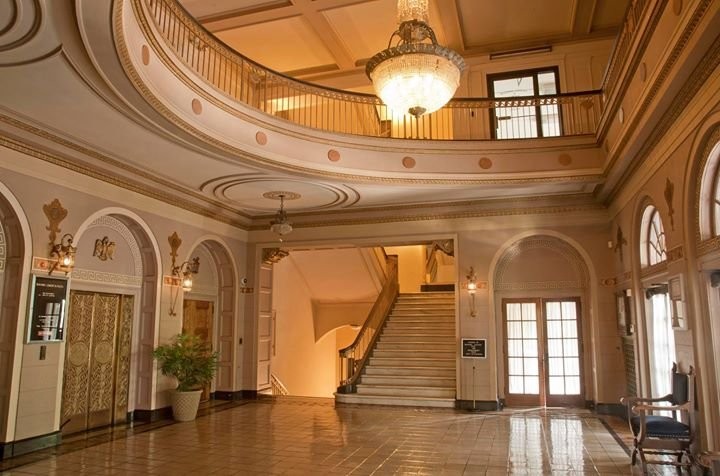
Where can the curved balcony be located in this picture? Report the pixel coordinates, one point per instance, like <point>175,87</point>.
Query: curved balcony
<point>336,111</point>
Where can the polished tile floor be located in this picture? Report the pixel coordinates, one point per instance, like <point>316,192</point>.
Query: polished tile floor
<point>296,436</point>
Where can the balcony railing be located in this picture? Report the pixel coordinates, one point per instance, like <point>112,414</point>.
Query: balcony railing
<point>337,111</point>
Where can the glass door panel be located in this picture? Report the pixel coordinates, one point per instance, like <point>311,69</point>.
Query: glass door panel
<point>523,356</point>
<point>563,353</point>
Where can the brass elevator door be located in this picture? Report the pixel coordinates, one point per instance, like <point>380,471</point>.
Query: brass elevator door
<point>97,361</point>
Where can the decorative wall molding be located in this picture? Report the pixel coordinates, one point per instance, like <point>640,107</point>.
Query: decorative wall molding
<point>93,276</point>
<point>107,221</point>
<point>3,249</point>
<point>532,285</point>
<point>654,269</point>
<point>548,243</point>
<point>708,246</point>
<point>675,254</point>
<point>608,282</point>
<point>707,169</point>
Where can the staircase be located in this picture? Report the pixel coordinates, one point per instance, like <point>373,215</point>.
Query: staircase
<point>413,362</point>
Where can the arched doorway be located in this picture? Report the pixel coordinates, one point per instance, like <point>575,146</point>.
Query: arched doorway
<point>13,247</point>
<point>541,286</point>
<point>209,308</point>
<point>108,368</point>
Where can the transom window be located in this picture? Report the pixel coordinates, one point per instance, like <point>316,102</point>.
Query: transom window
<point>517,120</point>
<point>653,249</point>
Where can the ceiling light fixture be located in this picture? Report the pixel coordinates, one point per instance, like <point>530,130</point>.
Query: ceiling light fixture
<point>280,225</point>
<point>415,76</point>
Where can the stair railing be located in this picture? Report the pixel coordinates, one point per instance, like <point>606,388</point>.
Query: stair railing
<point>277,386</point>
<point>354,357</point>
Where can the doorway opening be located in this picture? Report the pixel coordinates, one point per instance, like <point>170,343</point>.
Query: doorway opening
<point>543,349</point>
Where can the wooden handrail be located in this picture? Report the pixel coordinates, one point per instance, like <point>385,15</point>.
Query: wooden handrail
<point>354,357</point>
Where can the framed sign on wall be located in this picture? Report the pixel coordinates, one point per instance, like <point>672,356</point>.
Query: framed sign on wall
<point>48,298</point>
<point>474,348</point>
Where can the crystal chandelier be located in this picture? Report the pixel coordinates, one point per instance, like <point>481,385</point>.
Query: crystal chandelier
<point>415,76</point>
<point>280,225</point>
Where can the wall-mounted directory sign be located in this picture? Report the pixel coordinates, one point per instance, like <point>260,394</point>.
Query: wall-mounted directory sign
<point>474,348</point>
<point>47,309</point>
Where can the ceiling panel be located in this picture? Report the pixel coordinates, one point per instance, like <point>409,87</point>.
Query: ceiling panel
<point>365,28</point>
<point>486,22</point>
<point>212,8</point>
<point>609,14</point>
<point>283,45</point>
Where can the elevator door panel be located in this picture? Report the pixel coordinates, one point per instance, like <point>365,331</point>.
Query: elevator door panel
<point>97,361</point>
<point>198,320</point>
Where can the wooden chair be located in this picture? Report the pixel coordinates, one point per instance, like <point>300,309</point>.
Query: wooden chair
<point>664,435</point>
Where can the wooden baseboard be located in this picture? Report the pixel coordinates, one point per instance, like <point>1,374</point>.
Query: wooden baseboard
<point>28,445</point>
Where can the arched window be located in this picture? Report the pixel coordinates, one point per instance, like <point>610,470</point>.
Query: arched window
<point>652,244</point>
<point>715,198</point>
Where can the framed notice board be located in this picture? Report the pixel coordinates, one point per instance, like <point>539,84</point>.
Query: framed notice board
<point>48,298</point>
<point>474,348</point>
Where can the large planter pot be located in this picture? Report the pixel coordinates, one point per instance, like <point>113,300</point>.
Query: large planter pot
<point>185,404</point>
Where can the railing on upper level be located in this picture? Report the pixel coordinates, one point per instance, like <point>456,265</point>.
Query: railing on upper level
<point>344,112</point>
<point>354,357</point>
<point>276,386</point>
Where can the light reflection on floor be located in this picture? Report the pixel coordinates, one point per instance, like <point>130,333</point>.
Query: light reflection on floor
<point>311,436</point>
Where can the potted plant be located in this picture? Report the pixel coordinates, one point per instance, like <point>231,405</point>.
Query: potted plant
<point>193,364</point>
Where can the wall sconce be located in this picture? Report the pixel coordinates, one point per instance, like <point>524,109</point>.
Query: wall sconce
<point>472,289</point>
<point>63,254</point>
<point>183,275</point>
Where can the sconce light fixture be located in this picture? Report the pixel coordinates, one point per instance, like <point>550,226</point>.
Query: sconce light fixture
<point>184,274</point>
<point>63,254</point>
<point>472,289</point>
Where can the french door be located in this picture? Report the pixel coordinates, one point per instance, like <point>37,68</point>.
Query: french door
<point>543,352</point>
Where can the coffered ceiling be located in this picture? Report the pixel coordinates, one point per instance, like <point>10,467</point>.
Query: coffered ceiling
<point>330,39</point>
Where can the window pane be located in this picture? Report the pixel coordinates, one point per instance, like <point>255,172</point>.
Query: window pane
<point>550,120</point>
<point>529,330</point>
<point>555,348</point>
<point>569,328</point>
<point>572,385</point>
<point>557,385</point>
<point>515,366</point>
<point>515,384</point>
<point>528,311</point>
<point>546,83</point>
<point>513,87</point>
<point>532,385</point>
<point>514,329</point>
<point>531,366</point>
<point>554,329</point>
<point>555,366</point>
<point>514,348</point>
<point>569,310</point>
<point>530,348</point>
<point>552,309</point>
<point>514,312</point>
<point>572,366</point>
<point>570,347</point>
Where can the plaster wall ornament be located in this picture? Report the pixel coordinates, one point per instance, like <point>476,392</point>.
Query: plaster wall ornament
<point>669,193</point>
<point>273,255</point>
<point>175,242</point>
<point>104,248</point>
<point>620,241</point>
<point>55,214</point>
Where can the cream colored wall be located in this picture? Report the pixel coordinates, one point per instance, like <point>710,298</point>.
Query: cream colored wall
<point>305,366</point>
<point>35,184</point>
<point>411,266</point>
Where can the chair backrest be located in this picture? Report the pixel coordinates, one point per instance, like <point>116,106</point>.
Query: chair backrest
<point>683,390</point>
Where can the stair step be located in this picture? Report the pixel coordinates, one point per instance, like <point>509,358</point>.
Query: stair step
<point>432,333</point>
<point>354,398</point>
<point>419,322</point>
<point>409,353</point>
<point>410,380</point>
<point>412,362</point>
<point>405,391</point>
<point>410,371</point>
<point>414,345</point>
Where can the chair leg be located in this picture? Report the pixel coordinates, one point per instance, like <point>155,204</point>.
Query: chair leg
<point>643,461</point>
<point>633,458</point>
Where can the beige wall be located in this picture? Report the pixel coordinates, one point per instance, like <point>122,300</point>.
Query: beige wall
<point>411,266</point>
